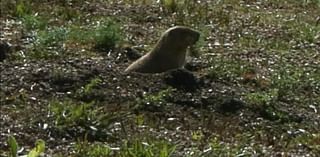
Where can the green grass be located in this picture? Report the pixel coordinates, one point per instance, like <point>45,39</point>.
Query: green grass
<point>133,148</point>
<point>69,117</point>
<point>105,35</point>
<point>153,101</point>
<point>147,148</point>
<point>35,152</point>
<point>84,149</point>
<point>34,22</point>
<point>313,141</point>
<point>280,36</point>
<point>23,8</point>
<point>51,42</point>
<point>228,69</point>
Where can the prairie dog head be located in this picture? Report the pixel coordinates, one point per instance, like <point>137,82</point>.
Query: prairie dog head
<point>180,37</point>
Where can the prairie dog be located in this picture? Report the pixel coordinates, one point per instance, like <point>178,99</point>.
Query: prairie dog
<point>168,53</point>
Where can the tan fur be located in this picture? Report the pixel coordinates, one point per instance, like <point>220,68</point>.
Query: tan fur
<point>169,53</point>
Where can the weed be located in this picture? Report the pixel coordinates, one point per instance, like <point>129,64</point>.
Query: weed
<point>304,32</point>
<point>158,97</point>
<point>38,149</point>
<point>228,69</point>
<point>153,102</point>
<point>170,5</point>
<point>89,92</point>
<point>312,141</point>
<point>140,119</point>
<point>88,88</point>
<point>311,3</point>
<point>69,117</point>
<point>221,149</point>
<point>33,22</point>
<point>93,83</point>
<point>84,149</point>
<point>287,79</point>
<point>49,43</point>
<point>79,34</point>
<point>13,146</point>
<point>35,152</point>
<point>149,148</point>
<point>265,104</point>
<point>53,37</point>
<point>107,35</point>
<point>197,135</point>
<point>68,114</point>
<point>22,8</point>
<point>262,98</point>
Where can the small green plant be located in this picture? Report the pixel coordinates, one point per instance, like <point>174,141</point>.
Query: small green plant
<point>33,22</point>
<point>48,43</point>
<point>312,141</point>
<point>88,92</point>
<point>228,69</point>
<point>13,146</point>
<point>158,97</point>
<point>38,149</point>
<point>220,148</point>
<point>262,98</point>
<point>35,152</point>
<point>153,101</point>
<point>70,116</point>
<point>217,146</point>
<point>140,119</point>
<point>79,34</point>
<point>22,8</point>
<point>53,37</point>
<point>197,135</point>
<point>170,5</point>
<point>138,148</point>
<point>93,83</point>
<point>85,149</point>
<point>313,3</point>
<point>107,35</point>
<point>287,79</point>
<point>265,103</point>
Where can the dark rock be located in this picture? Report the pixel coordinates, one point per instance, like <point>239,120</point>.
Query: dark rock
<point>132,53</point>
<point>231,105</point>
<point>4,50</point>
<point>182,79</point>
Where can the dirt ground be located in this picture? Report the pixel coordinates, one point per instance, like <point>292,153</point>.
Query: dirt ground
<point>200,113</point>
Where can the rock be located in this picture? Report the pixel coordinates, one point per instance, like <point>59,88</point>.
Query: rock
<point>5,48</point>
<point>132,53</point>
<point>231,105</point>
<point>182,79</point>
